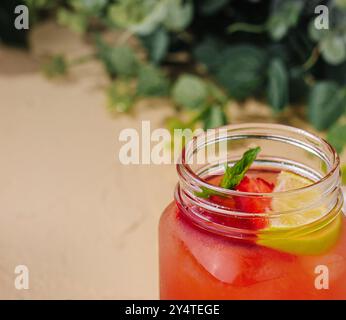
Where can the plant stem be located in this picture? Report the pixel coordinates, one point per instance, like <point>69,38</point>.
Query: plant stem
<point>199,116</point>
<point>313,58</point>
<point>246,27</point>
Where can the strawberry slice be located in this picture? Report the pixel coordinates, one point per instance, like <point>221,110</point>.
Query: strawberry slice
<point>243,204</point>
<point>253,204</point>
<point>224,202</point>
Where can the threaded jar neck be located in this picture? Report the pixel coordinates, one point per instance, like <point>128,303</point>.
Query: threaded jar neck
<point>282,148</point>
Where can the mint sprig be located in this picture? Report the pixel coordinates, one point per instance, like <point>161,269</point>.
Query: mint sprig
<point>206,193</point>
<point>233,175</point>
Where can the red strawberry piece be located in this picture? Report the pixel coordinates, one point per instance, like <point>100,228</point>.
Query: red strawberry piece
<point>227,202</point>
<point>245,204</point>
<point>254,204</point>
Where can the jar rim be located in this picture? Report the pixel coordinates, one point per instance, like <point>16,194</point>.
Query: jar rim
<point>185,171</point>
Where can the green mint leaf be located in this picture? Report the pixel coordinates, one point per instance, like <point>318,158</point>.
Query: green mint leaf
<point>337,136</point>
<point>233,175</point>
<point>206,193</point>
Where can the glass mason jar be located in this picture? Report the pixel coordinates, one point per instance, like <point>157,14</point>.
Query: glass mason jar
<point>210,249</point>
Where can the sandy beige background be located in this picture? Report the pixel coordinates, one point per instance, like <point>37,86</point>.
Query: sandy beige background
<point>85,225</point>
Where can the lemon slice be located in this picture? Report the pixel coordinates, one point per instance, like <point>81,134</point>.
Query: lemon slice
<point>287,181</point>
<point>295,231</point>
<point>315,242</point>
<point>290,181</point>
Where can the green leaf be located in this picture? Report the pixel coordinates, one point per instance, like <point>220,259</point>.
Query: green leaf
<point>336,73</point>
<point>241,72</point>
<point>209,7</point>
<point>341,4</point>
<point>215,117</point>
<point>234,175</point>
<point>174,122</point>
<point>206,193</point>
<point>298,88</point>
<point>278,87</point>
<point>157,45</point>
<point>337,18</point>
<point>333,49</point>
<point>179,14</point>
<point>217,94</point>
<point>337,137</point>
<point>120,96</point>
<point>152,82</point>
<point>316,34</point>
<point>208,53</point>
<point>326,104</point>
<point>189,91</point>
<point>77,22</point>
<point>57,66</point>
<point>88,6</point>
<point>284,17</point>
<point>140,17</point>
<point>38,3</point>
<point>120,61</point>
